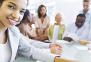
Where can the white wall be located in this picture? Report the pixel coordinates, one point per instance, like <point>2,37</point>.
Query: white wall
<point>68,8</point>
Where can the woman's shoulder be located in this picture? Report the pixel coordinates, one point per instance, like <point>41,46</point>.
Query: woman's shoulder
<point>36,17</point>
<point>47,17</point>
<point>14,29</point>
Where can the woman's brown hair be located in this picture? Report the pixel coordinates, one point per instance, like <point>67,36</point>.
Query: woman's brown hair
<point>39,9</point>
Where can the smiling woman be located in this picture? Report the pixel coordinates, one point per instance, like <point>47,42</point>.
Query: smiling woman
<point>11,40</point>
<point>11,13</point>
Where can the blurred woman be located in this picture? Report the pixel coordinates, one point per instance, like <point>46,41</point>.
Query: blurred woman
<point>11,40</point>
<point>25,25</point>
<point>41,24</point>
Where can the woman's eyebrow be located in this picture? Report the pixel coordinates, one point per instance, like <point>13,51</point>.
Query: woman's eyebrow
<point>12,3</point>
<point>15,5</point>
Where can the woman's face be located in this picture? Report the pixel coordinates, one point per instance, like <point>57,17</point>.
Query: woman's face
<point>43,11</point>
<point>12,11</point>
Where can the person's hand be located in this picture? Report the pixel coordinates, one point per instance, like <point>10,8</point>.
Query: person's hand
<point>39,32</point>
<point>59,59</point>
<point>68,39</point>
<point>56,49</point>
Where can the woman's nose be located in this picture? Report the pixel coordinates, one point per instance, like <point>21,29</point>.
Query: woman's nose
<point>15,15</point>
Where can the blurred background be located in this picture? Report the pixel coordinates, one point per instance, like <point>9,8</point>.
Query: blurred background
<point>68,8</point>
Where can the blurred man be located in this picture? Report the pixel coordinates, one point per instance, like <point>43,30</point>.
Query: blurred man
<point>87,11</point>
<point>78,30</point>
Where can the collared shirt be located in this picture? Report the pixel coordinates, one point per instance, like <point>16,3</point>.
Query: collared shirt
<point>82,32</point>
<point>88,21</point>
<point>88,16</point>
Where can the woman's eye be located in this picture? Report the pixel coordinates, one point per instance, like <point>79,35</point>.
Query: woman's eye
<point>11,7</point>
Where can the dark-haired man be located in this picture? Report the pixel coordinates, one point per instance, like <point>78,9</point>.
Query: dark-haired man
<point>78,30</point>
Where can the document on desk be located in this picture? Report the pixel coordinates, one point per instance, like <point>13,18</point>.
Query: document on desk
<point>83,56</point>
<point>69,52</point>
<point>81,47</point>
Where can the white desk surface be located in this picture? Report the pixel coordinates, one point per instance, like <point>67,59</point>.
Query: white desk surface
<point>75,52</point>
<point>70,51</point>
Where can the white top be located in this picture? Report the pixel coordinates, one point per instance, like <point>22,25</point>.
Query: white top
<point>88,21</point>
<point>88,16</point>
<point>5,52</point>
<point>82,33</point>
<point>42,26</point>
